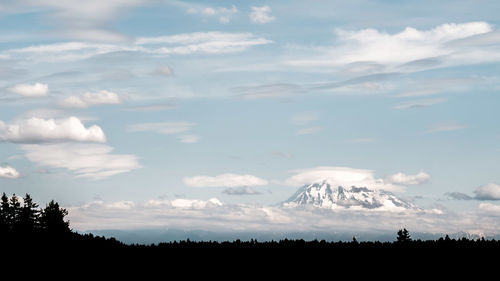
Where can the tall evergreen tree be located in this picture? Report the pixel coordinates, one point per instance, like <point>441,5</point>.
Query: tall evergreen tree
<point>4,214</point>
<point>29,216</point>
<point>14,213</point>
<point>52,219</point>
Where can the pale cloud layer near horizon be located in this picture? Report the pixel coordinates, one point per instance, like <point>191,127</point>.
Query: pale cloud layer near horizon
<point>226,109</point>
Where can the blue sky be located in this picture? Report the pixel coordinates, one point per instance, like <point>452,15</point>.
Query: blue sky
<point>114,104</point>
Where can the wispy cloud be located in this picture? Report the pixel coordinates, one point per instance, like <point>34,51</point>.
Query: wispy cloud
<point>341,176</point>
<point>222,13</point>
<point>91,99</point>
<point>458,196</point>
<point>94,161</point>
<point>203,42</point>
<point>189,138</point>
<point>419,103</point>
<point>305,118</point>
<point>446,127</point>
<point>309,130</point>
<point>224,180</point>
<point>178,44</point>
<point>150,107</point>
<point>268,91</point>
<point>89,20</point>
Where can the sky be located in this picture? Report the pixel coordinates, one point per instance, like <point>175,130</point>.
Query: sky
<point>207,115</point>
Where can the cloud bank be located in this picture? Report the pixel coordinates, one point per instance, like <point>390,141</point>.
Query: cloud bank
<point>212,215</point>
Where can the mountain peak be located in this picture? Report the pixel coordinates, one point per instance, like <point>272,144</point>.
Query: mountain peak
<point>324,195</point>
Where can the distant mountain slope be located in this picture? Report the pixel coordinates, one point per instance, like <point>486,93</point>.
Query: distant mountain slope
<point>324,195</point>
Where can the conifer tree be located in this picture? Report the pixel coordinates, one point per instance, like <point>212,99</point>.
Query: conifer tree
<point>4,214</point>
<point>52,219</point>
<point>29,217</point>
<point>14,213</point>
<point>403,236</point>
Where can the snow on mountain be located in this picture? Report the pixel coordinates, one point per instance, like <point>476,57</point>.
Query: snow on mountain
<point>324,195</point>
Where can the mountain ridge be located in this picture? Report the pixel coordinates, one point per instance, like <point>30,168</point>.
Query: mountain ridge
<point>322,194</point>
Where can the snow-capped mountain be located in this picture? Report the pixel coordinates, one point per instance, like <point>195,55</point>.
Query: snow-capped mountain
<point>324,195</point>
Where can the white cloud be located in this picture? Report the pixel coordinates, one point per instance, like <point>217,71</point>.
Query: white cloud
<point>195,204</point>
<point>490,208</point>
<point>341,176</point>
<point>203,42</point>
<point>8,172</point>
<point>69,51</point>
<point>27,90</point>
<point>446,127</point>
<point>37,130</point>
<point>404,179</point>
<point>409,45</point>
<point>165,128</point>
<point>490,191</point>
<point>260,15</point>
<point>183,203</point>
<point>189,138</point>
<point>223,13</point>
<point>91,99</point>
<point>224,180</point>
<point>121,205</point>
<point>309,130</point>
<point>93,161</point>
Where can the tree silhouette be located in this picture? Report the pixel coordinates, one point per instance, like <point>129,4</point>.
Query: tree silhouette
<point>52,219</point>
<point>14,213</point>
<point>4,214</point>
<point>29,215</point>
<point>403,236</point>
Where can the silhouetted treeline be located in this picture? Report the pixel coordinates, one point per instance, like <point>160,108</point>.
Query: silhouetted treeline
<point>23,222</point>
<point>27,219</point>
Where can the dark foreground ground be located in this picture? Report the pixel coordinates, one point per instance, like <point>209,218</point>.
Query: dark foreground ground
<point>253,253</point>
<point>91,257</point>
